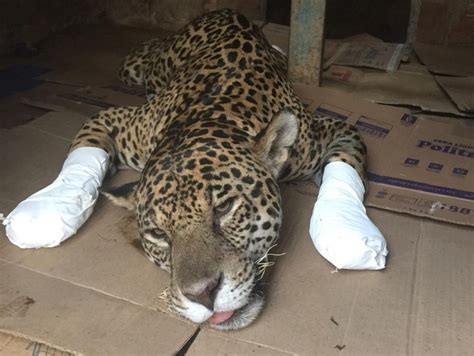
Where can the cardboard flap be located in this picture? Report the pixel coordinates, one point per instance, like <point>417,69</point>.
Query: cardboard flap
<point>411,85</point>
<point>449,59</point>
<point>83,100</point>
<point>460,90</point>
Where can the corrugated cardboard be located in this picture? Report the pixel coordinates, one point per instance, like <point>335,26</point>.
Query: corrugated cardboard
<point>416,165</point>
<point>449,59</point>
<point>211,343</point>
<point>411,85</point>
<point>83,100</point>
<point>83,320</point>
<point>18,346</point>
<point>97,293</point>
<point>460,90</point>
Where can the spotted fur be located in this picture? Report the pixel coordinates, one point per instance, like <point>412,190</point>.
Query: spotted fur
<point>221,127</point>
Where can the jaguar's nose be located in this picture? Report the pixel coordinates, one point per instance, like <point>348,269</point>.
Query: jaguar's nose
<point>204,291</point>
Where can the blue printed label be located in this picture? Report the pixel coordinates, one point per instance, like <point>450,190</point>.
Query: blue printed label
<point>435,166</point>
<point>372,127</point>
<point>413,185</point>
<point>327,110</point>
<point>411,162</point>
<point>460,171</point>
<point>408,119</point>
<point>446,147</point>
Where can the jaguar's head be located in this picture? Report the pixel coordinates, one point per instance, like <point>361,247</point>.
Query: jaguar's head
<point>208,214</point>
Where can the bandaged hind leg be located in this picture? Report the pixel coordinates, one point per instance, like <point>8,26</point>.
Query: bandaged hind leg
<point>53,214</point>
<point>340,228</point>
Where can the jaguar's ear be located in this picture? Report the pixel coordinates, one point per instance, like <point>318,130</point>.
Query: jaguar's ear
<point>123,195</point>
<point>274,143</point>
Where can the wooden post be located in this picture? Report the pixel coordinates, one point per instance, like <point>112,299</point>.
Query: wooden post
<point>306,41</point>
<point>413,23</point>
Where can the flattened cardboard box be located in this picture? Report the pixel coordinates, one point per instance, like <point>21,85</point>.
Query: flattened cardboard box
<point>83,100</point>
<point>450,59</point>
<point>411,85</point>
<point>96,293</point>
<point>460,90</point>
<point>418,166</point>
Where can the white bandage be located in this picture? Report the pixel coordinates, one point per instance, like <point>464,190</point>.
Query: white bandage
<point>340,228</point>
<point>53,214</point>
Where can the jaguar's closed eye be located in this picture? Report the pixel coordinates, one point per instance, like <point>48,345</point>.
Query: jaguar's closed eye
<point>156,235</point>
<point>224,207</point>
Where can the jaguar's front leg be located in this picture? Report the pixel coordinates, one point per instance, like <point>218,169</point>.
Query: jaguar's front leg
<point>53,214</point>
<point>334,152</point>
<point>340,228</point>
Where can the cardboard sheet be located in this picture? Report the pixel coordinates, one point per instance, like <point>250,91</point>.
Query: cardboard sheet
<point>97,293</point>
<point>14,113</point>
<point>450,59</point>
<point>82,320</point>
<point>460,90</point>
<point>411,85</point>
<point>83,100</point>
<point>416,165</point>
<point>212,343</point>
<point>19,346</point>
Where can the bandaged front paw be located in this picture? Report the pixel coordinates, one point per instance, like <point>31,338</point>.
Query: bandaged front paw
<point>340,228</point>
<point>53,214</point>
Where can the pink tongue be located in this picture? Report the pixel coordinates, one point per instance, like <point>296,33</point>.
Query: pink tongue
<point>220,317</point>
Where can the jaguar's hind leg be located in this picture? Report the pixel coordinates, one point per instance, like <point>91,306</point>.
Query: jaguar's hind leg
<point>135,66</point>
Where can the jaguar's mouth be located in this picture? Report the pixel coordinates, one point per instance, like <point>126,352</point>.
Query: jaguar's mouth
<point>220,317</point>
<point>239,318</point>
